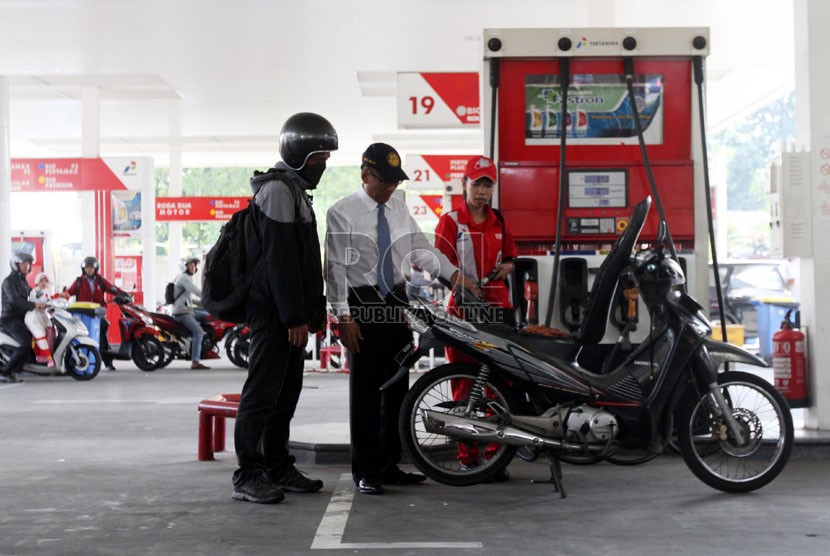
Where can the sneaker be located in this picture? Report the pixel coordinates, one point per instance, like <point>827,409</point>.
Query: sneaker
<point>292,479</point>
<point>10,378</point>
<point>258,490</point>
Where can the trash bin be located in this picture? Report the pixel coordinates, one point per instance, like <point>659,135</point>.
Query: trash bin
<point>735,334</point>
<point>770,314</point>
<point>91,315</point>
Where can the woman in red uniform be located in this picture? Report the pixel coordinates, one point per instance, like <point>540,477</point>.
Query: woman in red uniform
<point>477,240</point>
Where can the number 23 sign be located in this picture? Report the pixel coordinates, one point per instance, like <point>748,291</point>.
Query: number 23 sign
<point>438,100</point>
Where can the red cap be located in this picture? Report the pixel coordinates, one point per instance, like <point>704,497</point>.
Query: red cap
<point>481,167</point>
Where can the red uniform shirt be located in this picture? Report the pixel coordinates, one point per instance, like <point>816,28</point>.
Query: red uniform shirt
<point>477,248</point>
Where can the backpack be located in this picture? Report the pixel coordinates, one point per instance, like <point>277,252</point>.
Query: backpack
<point>226,278</point>
<point>169,293</point>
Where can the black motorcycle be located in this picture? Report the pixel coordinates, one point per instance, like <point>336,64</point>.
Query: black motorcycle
<point>548,395</point>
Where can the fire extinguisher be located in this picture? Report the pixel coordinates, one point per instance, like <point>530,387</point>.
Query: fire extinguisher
<point>789,361</point>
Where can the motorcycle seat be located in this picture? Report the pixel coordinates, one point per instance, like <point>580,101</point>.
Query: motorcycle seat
<point>558,348</point>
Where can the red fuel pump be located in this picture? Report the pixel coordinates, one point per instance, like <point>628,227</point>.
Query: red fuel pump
<point>789,361</point>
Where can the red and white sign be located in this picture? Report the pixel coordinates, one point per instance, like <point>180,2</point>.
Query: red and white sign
<point>434,172</point>
<point>69,174</point>
<point>438,100</point>
<point>425,208</point>
<point>195,209</point>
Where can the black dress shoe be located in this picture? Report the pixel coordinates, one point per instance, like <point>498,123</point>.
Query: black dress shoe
<point>370,485</point>
<point>400,477</point>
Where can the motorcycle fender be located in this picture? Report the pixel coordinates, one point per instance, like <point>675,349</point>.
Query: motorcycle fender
<point>146,331</point>
<point>410,355</point>
<point>85,340</point>
<point>722,352</point>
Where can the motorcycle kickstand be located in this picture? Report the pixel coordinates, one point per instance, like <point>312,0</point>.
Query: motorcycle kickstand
<point>555,476</point>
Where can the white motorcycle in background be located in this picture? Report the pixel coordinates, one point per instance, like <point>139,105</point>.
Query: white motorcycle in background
<point>74,352</point>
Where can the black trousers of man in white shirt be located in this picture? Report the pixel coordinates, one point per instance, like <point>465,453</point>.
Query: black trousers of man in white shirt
<point>375,437</point>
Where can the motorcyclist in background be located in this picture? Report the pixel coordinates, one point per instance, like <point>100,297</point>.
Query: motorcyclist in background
<point>182,309</point>
<point>91,287</point>
<point>15,295</point>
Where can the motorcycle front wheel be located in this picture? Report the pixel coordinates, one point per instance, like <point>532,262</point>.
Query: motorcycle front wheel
<point>715,455</point>
<point>148,353</point>
<point>82,361</point>
<point>442,458</point>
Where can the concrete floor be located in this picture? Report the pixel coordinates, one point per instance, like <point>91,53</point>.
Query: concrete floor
<point>109,467</point>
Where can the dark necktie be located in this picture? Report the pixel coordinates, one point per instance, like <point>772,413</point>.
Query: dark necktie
<point>386,273</point>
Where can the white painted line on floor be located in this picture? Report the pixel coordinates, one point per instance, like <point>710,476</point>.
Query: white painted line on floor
<point>330,532</point>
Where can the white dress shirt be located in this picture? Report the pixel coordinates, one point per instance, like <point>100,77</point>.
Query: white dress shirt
<point>352,249</point>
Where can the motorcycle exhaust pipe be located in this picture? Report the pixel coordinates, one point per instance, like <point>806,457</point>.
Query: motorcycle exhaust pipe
<point>476,430</point>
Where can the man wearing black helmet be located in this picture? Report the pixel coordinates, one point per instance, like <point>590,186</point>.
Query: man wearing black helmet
<point>285,303</point>
<point>91,286</point>
<point>15,295</point>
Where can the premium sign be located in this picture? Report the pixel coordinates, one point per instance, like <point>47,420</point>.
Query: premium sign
<point>67,174</point>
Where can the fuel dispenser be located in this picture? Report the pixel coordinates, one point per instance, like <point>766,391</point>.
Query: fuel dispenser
<point>583,124</point>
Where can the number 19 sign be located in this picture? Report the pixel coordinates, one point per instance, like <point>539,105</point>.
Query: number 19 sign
<point>438,100</point>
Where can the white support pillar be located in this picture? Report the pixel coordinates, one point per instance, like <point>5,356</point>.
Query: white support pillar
<point>5,179</point>
<point>175,172</point>
<point>148,231</point>
<point>812,69</point>
<point>175,229</point>
<point>90,148</point>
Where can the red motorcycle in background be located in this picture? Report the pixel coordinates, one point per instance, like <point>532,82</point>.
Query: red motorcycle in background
<point>176,338</point>
<point>140,338</point>
<point>237,344</point>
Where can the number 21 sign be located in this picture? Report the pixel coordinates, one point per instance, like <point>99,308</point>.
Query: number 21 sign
<point>438,100</point>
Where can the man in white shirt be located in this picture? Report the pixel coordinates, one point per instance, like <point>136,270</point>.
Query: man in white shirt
<point>371,238</point>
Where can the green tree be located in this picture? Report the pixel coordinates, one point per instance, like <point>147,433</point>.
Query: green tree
<point>198,237</point>
<point>749,145</point>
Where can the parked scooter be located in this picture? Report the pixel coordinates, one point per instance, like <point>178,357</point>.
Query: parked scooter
<point>74,352</point>
<point>534,392</point>
<point>140,338</point>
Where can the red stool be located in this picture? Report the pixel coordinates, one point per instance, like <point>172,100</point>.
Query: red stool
<point>212,415</point>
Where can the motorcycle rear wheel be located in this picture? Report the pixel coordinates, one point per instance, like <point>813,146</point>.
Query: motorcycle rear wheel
<point>712,452</point>
<point>148,353</point>
<point>437,455</point>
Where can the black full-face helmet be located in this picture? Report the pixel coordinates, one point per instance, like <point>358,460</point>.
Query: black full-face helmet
<point>90,261</point>
<point>20,257</point>
<point>305,134</point>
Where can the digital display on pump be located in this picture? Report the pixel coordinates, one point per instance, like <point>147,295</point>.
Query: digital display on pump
<point>598,188</point>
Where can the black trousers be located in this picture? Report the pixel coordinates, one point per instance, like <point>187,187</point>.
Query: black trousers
<point>374,415</point>
<point>104,343</point>
<point>266,406</point>
<point>17,330</point>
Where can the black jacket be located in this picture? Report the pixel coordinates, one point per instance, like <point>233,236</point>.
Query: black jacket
<point>287,283</point>
<point>15,294</point>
